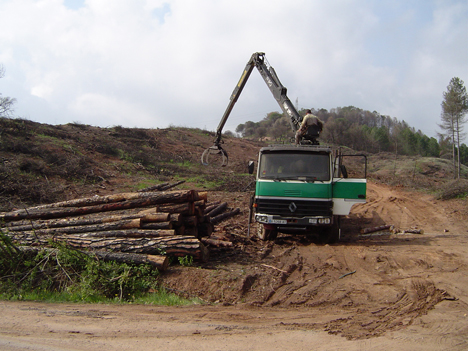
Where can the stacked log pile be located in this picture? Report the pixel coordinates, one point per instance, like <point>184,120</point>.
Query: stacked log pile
<point>145,226</point>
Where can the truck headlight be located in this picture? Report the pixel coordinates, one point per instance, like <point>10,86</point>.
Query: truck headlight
<point>261,218</point>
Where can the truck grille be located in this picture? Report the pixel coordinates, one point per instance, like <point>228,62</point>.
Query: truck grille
<point>301,208</point>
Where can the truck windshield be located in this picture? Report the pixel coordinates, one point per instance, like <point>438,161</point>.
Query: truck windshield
<point>295,166</point>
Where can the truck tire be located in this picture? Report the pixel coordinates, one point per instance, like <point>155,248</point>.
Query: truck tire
<point>332,234</point>
<point>266,234</point>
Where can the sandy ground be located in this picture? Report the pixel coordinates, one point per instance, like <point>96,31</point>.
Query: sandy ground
<point>382,292</point>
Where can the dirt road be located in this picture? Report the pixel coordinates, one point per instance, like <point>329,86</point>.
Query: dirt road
<point>384,291</point>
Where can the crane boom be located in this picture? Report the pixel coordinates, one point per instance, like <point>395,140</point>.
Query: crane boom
<point>279,93</point>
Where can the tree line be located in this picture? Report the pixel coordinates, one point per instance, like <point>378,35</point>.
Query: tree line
<point>372,132</point>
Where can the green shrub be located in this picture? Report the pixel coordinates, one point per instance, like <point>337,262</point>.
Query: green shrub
<point>65,271</point>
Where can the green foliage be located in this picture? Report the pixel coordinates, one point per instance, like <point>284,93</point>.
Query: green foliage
<point>71,273</point>
<point>186,261</point>
<point>114,280</point>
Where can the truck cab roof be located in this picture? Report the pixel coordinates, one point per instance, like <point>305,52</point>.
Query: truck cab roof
<point>296,148</point>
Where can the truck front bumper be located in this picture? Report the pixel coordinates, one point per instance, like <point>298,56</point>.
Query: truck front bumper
<point>276,220</point>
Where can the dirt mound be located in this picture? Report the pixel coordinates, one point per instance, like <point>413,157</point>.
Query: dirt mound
<point>379,282</point>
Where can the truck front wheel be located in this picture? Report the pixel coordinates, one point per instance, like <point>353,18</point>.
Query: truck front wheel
<point>332,234</point>
<point>266,233</point>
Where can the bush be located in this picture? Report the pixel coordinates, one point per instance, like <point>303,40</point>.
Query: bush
<point>454,189</point>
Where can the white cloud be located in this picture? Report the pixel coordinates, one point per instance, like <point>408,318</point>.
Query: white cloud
<point>151,63</point>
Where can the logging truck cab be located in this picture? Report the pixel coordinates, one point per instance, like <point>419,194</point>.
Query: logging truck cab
<point>305,189</point>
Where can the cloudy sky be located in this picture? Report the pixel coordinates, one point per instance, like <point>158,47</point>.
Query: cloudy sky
<point>155,63</point>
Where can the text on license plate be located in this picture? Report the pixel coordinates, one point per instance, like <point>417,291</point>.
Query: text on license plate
<point>277,221</point>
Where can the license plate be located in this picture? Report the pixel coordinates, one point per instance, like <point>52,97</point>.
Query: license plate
<point>277,221</point>
<point>313,220</point>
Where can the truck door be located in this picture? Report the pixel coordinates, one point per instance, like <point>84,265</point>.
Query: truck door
<point>349,182</point>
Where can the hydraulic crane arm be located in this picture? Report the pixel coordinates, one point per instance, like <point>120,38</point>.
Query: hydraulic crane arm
<point>278,90</point>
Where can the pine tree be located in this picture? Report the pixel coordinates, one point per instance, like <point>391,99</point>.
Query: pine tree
<point>454,109</point>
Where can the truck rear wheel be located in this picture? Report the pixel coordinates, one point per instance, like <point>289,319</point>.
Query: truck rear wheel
<point>266,233</point>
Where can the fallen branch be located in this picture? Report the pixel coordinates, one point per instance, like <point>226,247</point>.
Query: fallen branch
<point>267,265</point>
<point>346,274</point>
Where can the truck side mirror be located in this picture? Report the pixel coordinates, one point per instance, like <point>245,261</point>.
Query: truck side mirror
<point>251,167</point>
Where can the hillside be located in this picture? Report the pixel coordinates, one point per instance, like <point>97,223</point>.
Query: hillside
<point>43,163</point>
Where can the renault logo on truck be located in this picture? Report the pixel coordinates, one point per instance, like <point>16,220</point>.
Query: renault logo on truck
<point>292,207</point>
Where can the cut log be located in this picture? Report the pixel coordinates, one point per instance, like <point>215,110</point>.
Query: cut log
<point>178,246</point>
<point>30,238</point>
<point>199,211</point>
<point>217,210</point>
<point>191,231</point>
<point>66,222</point>
<point>205,229</point>
<point>375,229</point>
<point>27,225</point>
<point>97,200</point>
<point>190,221</point>
<point>155,198</point>
<point>211,206</point>
<point>176,219</point>
<point>219,218</point>
<point>175,245</point>
<point>215,242</point>
<point>159,262</point>
<point>156,217</point>
<point>201,196</point>
<point>186,208</point>
<point>156,225</point>
<point>126,224</point>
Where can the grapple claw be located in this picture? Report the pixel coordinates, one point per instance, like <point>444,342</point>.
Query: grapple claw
<point>212,152</point>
